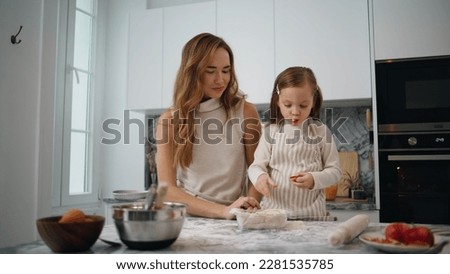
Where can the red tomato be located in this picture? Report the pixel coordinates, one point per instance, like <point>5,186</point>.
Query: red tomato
<point>395,231</point>
<point>418,235</point>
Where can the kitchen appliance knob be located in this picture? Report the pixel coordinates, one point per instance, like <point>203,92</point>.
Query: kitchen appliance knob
<point>412,141</point>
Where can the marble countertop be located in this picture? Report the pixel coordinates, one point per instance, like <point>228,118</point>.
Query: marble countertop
<point>200,235</point>
<point>350,204</point>
<point>338,204</point>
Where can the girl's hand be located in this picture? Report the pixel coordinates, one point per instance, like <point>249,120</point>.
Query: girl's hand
<point>249,203</point>
<point>264,184</point>
<point>303,180</point>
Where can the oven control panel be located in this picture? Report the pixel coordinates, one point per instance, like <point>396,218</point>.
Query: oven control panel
<point>414,140</point>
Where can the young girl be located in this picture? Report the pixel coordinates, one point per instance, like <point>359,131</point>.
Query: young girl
<point>206,141</point>
<point>296,158</point>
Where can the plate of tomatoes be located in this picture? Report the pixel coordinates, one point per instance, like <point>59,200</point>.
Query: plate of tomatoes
<point>401,238</point>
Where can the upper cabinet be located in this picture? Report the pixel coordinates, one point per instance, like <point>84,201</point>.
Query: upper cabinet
<point>411,28</point>
<point>156,39</point>
<point>247,26</point>
<point>266,36</point>
<point>330,37</point>
<point>145,61</point>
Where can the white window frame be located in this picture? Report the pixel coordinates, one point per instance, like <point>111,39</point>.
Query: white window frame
<point>62,198</point>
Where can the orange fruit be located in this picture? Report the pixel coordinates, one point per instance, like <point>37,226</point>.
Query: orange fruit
<point>73,215</point>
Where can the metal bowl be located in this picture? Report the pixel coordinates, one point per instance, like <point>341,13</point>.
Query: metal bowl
<point>143,229</point>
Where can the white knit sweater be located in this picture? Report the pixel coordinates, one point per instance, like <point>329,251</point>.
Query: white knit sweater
<point>286,150</point>
<point>218,169</point>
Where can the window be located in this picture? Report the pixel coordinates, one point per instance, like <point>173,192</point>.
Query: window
<point>77,54</point>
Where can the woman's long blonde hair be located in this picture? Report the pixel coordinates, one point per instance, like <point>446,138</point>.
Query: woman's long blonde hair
<point>188,92</point>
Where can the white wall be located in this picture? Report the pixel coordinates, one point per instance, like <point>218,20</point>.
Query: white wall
<point>27,94</point>
<point>20,88</point>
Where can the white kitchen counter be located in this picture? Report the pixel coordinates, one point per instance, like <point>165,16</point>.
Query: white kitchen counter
<point>200,235</point>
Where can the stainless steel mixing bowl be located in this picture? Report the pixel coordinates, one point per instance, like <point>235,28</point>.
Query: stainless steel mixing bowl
<point>143,229</point>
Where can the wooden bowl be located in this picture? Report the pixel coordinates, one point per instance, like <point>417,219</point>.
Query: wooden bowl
<point>70,237</point>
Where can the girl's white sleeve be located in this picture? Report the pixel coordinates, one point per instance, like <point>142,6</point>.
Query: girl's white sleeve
<point>262,156</point>
<point>331,172</point>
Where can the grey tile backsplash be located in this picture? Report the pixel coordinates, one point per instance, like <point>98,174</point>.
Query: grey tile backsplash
<point>351,132</point>
<point>349,128</point>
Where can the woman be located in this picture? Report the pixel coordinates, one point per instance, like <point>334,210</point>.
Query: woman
<point>206,141</point>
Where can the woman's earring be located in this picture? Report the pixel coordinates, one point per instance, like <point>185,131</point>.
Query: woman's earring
<point>277,90</point>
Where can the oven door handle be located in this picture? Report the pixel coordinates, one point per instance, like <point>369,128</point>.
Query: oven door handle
<point>440,157</point>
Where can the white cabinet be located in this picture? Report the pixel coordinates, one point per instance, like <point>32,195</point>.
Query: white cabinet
<point>330,37</point>
<point>247,26</point>
<point>266,36</point>
<point>411,28</point>
<point>156,39</point>
<point>145,63</point>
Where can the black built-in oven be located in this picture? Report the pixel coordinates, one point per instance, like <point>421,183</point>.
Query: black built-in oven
<point>413,94</point>
<point>415,177</point>
<point>413,115</point>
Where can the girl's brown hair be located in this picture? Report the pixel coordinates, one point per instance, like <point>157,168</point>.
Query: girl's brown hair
<point>188,92</point>
<point>295,77</point>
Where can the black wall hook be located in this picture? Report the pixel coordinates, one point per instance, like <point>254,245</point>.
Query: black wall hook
<point>14,37</point>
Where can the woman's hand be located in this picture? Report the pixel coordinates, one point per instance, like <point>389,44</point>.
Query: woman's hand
<point>249,203</point>
<point>303,180</point>
<point>264,184</point>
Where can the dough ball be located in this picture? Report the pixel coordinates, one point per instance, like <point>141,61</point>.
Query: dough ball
<point>261,219</point>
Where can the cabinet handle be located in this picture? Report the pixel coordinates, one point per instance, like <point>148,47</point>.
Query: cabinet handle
<point>418,157</point>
